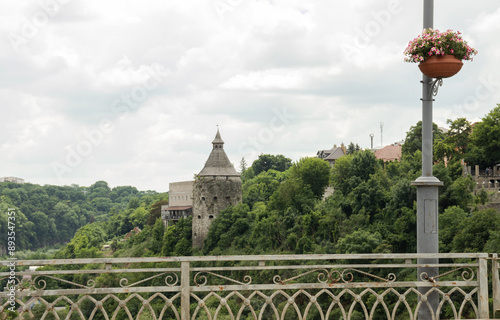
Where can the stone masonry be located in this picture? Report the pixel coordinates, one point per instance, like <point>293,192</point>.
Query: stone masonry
<point>217,186</point>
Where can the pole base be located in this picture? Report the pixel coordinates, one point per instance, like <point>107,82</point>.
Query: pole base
<point>427,181</point>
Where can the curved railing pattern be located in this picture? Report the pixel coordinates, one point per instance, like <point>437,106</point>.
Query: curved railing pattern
<point>376,286</point>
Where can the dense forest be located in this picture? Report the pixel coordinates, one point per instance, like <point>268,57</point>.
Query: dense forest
<point>48,216</point>
<point>284,207</point>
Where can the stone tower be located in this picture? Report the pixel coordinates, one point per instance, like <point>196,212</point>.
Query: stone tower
<point>217,186</point>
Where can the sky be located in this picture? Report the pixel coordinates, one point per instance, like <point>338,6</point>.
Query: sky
<point>132,92</point>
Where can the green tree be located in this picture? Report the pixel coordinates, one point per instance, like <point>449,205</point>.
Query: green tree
<point>368,197</point>
<point>157,236</point>
<point>243,165</point>
<point>341,174</point>
<point>99,189</point>
<point>350,170</point>
<point>450,224</point>
<point>102,204</point>
<point>313,172</point>
<point>45,228</point>
<point>138,217</point>
<point>267,161</point>
<point>23,228</point>
<point>360,241</point>
<point>459,193</point>
<point>292,193</point>
<point>455,143</point>
<point>443,150</point>
<point>352,148</point>
<point>413,140</point>
<point>485,139</point>
<point>86,243</point>
<point>402,194</point>
<point>229,228</point>
<point>261,187</point>
<point>67,221</point>
<point>459,134</point>
<point>134,203</point>
<point>475,231</point>
<point>178,239</point>
<point>155,211</point>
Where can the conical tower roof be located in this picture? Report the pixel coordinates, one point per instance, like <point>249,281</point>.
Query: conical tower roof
<point>217,139</point>
<point>218,163</point>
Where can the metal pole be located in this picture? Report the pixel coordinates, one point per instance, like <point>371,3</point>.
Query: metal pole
<point>427,189</point>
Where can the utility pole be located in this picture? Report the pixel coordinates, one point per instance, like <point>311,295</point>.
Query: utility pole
<point>427,192</point>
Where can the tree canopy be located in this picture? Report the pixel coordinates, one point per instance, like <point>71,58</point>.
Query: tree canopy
<point>267,162</point>
<point>485,139</point>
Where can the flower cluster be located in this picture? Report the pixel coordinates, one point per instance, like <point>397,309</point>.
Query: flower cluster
<point>434,43</point>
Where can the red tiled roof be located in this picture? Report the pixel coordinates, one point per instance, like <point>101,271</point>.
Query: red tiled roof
<point>389,153</point>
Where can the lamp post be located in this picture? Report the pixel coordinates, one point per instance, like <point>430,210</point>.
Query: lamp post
<point>427,192</point>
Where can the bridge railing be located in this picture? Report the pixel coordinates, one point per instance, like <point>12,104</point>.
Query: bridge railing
<point>354,286</point>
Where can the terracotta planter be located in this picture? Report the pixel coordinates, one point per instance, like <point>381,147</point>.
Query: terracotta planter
<point>441,66</point>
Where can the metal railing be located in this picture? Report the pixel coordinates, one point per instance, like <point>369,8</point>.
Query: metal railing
<point>355,286</point>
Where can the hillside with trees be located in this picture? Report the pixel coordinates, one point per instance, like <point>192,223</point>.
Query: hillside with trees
<point>50,215</point>
<point>372,208</point>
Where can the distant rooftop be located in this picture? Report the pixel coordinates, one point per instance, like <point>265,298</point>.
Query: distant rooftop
<point>389,153</point>
<point>331,155</point>
<point>11,179</point>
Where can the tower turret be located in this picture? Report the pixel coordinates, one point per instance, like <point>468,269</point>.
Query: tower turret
<point>217,186</point>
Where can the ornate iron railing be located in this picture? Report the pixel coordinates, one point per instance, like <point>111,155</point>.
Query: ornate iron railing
<point>372,286</point>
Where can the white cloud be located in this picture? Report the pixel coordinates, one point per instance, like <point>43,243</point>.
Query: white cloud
<point>265,80</point>
<point>234,66</point>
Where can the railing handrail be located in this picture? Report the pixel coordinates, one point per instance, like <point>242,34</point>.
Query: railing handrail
<point>287,257</point>
<point>346,282</point>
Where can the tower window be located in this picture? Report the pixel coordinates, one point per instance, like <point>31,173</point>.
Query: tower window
<point>215,198</point>
<point>210,217</point>
<point>228,198</point>
<point>199,216</point>
<point>202,198</point>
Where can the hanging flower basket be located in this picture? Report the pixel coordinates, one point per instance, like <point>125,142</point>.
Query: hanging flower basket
<point>441,66</point>
<point>439,53</point>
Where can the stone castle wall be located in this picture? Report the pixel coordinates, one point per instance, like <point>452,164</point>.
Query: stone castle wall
<point>210,196</point>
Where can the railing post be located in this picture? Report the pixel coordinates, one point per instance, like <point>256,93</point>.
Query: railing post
<point>185,290</point>
<point>496,283</point>
<point>482,275</point>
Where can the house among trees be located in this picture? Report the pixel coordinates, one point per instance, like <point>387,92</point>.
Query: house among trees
<point>217,186</point>
<point>332,155</point>
<point>389,153</point>
<point>132,233</point>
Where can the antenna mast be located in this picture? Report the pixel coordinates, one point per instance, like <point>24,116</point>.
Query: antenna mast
<point>381,133</point>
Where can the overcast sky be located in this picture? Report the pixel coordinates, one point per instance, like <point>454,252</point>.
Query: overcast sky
<point>131,92</point>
